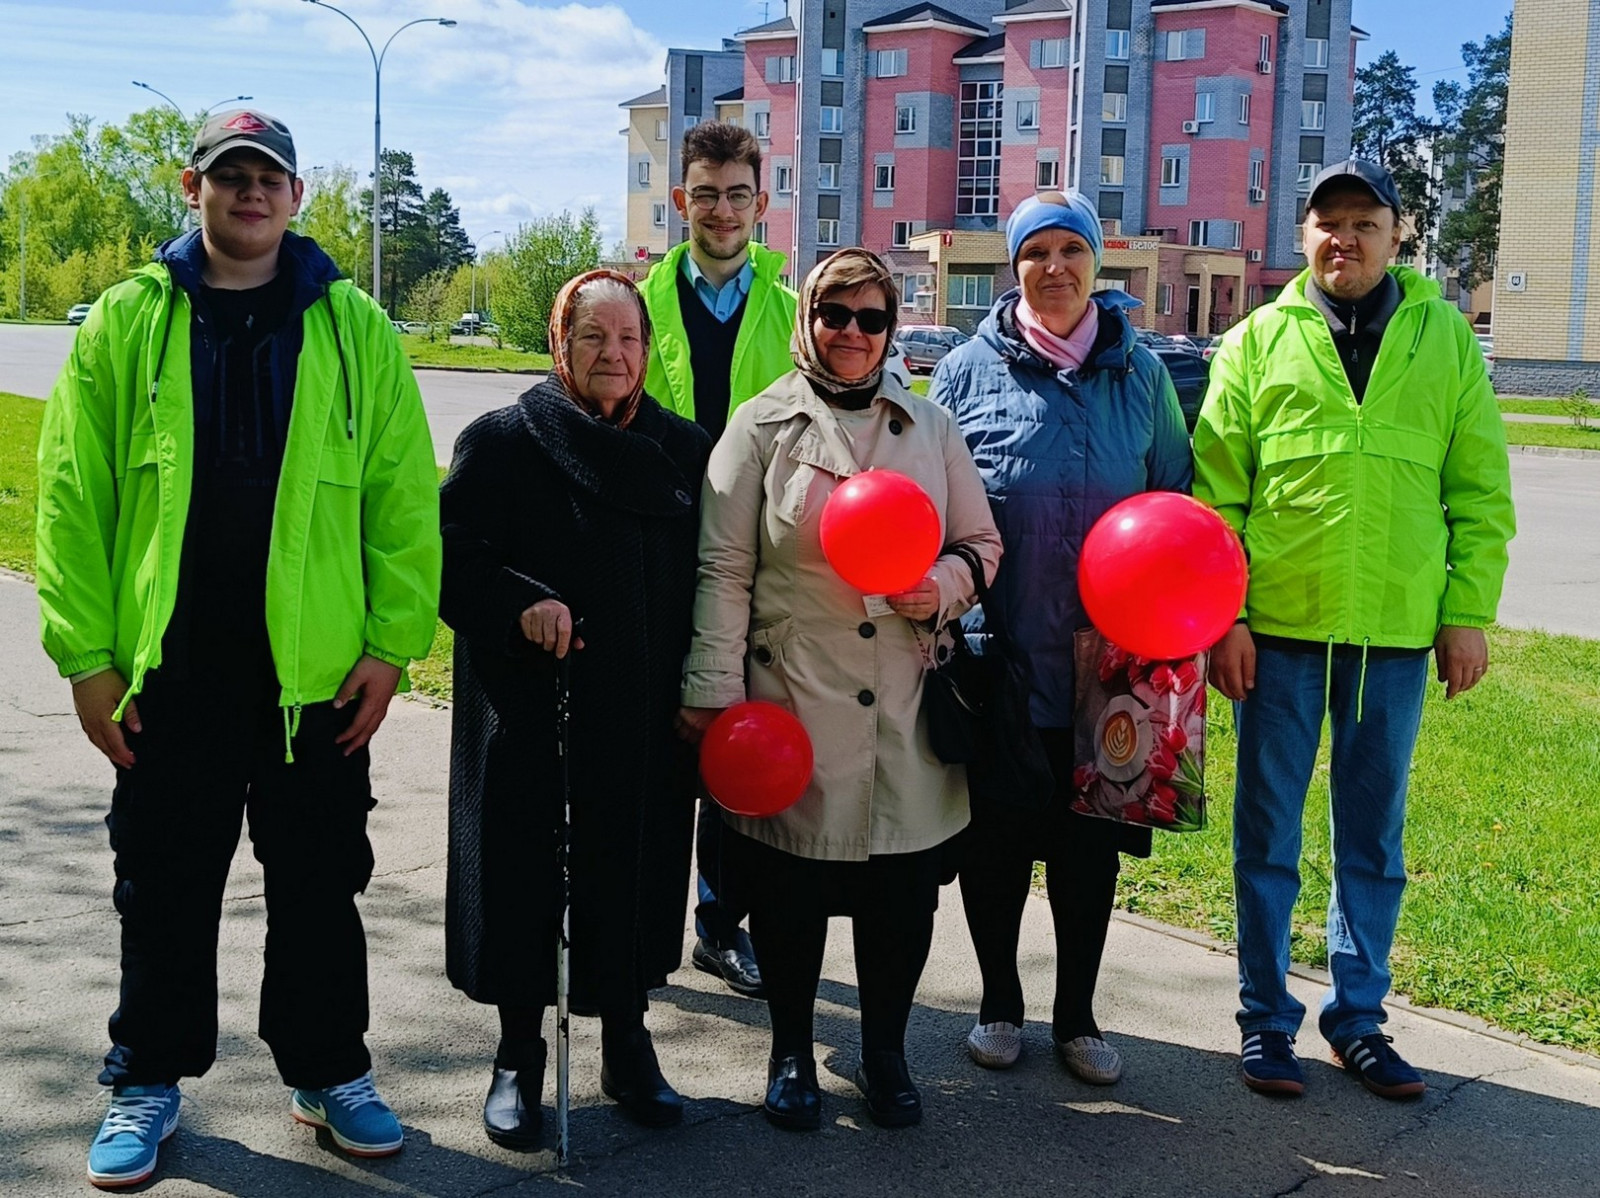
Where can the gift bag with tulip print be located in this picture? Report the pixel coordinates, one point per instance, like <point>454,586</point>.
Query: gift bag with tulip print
<point>1140,736</point>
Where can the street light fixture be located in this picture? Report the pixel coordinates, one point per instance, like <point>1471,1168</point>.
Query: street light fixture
<point>475,247</point>
<point>188,214</point>
<point>377,128</point>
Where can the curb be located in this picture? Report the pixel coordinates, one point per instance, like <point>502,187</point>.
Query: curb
<point>1310,973</point>
<point>478,370</point>
<point>1554,451</point>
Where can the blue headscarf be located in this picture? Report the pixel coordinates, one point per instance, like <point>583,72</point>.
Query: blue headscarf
<point>1055,210</point>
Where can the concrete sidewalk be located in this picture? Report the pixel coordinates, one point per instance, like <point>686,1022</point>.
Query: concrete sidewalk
<point>1499,1119</point>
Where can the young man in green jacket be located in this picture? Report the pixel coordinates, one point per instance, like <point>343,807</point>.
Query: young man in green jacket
<point>721,321</point>
<point>1351,436</point>
<point>238,553</point>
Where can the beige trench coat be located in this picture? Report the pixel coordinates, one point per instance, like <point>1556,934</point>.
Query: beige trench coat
<point>773,621</point>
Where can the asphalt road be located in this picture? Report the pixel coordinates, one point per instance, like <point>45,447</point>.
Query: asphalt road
<point>1553,583</point>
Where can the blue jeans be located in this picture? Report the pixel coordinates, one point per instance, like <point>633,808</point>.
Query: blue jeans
<point>1280,726</point>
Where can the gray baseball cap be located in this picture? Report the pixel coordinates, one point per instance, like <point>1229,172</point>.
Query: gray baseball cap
<point>1376,180</point>
<point>243,128</point>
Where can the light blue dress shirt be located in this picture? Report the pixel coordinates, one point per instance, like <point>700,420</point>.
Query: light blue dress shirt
<point>722,302</point>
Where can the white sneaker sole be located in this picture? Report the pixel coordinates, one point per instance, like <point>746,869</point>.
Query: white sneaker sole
<point>113,1181</point>
<point>312,1119</point>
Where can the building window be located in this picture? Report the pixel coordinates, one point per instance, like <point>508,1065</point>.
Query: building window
<point>827,232</point>
<point>661,130</point>
<point>832,62</point>
<point>886,64</point>
<point>1266,48</point>
<point>1186,43</point>
<point>901,236</point>
<point>1164,300</point>
<point>832,119</point>
<point>1311,114</point>
<point>1305,174</point>
<point>1114,107</point>
<point>1252,297</point>
<point>1111,170</point>
<point>1205,107</point>
<point>978,150</point>
<point>759,233</point>
<point>828,176</point>
<point>644,174</point>
<point>1047,175</point>
<point>1316,52</point>
<point>1199,230</point>
<point>782,179</point>
<point>1027,114</point>
<point>971,291</point>
<point>1300,238</point>
<point>781,69</point>
<point>883,177</point>
<point>689,122</point>
<point>1117,45</point>
<point>1053,52</point>
<point>658,215</point>
<point>905,119</point>
<point>763,125</point>
<point>1258,170</point>
<point>1244,109</point>
<point>1172,172</point>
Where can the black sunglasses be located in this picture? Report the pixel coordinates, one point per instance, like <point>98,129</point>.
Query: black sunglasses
<point>870,321</point>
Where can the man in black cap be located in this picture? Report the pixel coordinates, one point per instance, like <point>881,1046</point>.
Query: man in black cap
<point>238,548</point>
<point>1350,435</point>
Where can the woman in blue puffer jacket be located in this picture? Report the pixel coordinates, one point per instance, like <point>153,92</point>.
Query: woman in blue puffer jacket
<point>1066,415</point>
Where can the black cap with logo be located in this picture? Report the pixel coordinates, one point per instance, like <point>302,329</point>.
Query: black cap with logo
<point>246,129</point>
<point>1372,176</point>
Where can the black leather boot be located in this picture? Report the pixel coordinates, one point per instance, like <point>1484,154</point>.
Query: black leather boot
<point>512,1117</point>
<point>892,1100</point>
<point>794,1100</point>
<point>630,1075</point>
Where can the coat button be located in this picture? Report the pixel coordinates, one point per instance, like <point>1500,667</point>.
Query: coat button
<point>895,427</point>
<point>764,655</point>
<point>864,698</point>
<point>868,630</point>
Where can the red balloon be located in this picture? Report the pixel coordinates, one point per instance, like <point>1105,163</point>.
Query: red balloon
<point>1162,575</point>
<point>756,759</point>
<point>880,532</point>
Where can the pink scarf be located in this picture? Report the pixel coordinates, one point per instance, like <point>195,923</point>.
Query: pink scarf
<point>1065,353</point>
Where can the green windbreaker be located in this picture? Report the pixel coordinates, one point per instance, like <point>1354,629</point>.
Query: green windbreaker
<point>354,559</point>
<point>1370,523</point>
<point>760,353</point>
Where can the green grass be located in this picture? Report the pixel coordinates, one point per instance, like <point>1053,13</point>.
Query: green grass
<point>1499,920</point>
<point>19,479</point>
<point>1563,436</point>
<point>444,352</point>
<point>1532,407</point>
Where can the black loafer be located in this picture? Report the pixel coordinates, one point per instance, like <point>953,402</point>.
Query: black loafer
<point>735,965</point>
<point>794,1101</point>
<point>631,1077</point>
<point>892,1100</point>
<point>511,1114</point>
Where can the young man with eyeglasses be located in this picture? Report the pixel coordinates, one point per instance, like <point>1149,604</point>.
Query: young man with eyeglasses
<point>722,322</point>
<point>238,547</point>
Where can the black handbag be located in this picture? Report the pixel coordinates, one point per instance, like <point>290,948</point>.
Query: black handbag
<point>977,709</point>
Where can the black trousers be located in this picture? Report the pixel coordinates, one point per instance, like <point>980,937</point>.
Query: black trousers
<point>204,760</point>
<point>720,906</point>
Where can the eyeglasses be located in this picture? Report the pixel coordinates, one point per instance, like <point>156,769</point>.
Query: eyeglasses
<point>870,321</point>
<point>705,198</point>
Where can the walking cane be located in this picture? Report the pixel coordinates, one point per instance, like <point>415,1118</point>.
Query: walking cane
<point>564,942</point>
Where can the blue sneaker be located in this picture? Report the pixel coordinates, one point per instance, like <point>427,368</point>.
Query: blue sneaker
<point>358,1120</point>
<point>1268,1064</point>
<point>139,1119</point>
<point>1378,1067</point>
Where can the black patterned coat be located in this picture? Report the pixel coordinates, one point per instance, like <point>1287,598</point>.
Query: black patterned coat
<point>543,501</point>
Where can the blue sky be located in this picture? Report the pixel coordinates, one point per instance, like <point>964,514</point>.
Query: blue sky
<point>513,111</point>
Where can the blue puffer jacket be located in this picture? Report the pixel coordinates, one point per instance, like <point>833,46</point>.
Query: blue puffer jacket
<point>1056,449</point>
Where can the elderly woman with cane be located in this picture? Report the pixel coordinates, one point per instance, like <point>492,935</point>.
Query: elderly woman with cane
<point>774,621</point>
<point>578,502</point>
<point>1066,415</point>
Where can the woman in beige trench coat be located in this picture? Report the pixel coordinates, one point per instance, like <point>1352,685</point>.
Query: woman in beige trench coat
<point>774,621</point>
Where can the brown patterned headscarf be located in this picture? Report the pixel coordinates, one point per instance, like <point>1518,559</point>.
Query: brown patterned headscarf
<point>564,316</point>
<point>843,271</point>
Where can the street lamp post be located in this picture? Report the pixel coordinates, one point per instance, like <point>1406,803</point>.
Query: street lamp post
<point>188,214</point>
<point>377,128</point>
<point>475,245</point>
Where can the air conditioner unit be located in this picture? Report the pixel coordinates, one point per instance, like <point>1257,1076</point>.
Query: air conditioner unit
<point>1264,67</point>
<point>1191,126</point>
<point>1253,256</point>
<point>1258,195</point>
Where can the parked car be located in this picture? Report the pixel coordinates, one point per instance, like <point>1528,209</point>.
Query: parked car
<point>895,365</point>
<point>77,314</point>
<point>924,345</point>
<point>1486,344</point>
<point>470,325</point>
<point>417,328</point>
<point>1188,343</point>
<point>1190,373</point>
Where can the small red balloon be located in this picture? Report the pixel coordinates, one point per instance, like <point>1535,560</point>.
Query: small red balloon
<point>756,759</point>
<point>1162,575</point>
<point>880,532</point>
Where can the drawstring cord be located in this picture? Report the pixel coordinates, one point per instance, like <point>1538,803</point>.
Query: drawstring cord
<point>344,372</point>
<point>291,729</point>
<point>1361,687</point>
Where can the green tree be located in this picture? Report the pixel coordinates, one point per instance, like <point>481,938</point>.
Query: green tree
<point>1386,128</point>
<point>1472,148</point>
<point>443,243</point>
<point>331,214</point>
<point>540,256</point>
<point>400,218</point>
<point>429,300</point>
<point>149,154</point>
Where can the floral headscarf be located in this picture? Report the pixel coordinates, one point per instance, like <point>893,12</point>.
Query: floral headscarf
<point>564,314</point>
<point>842,271</point>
